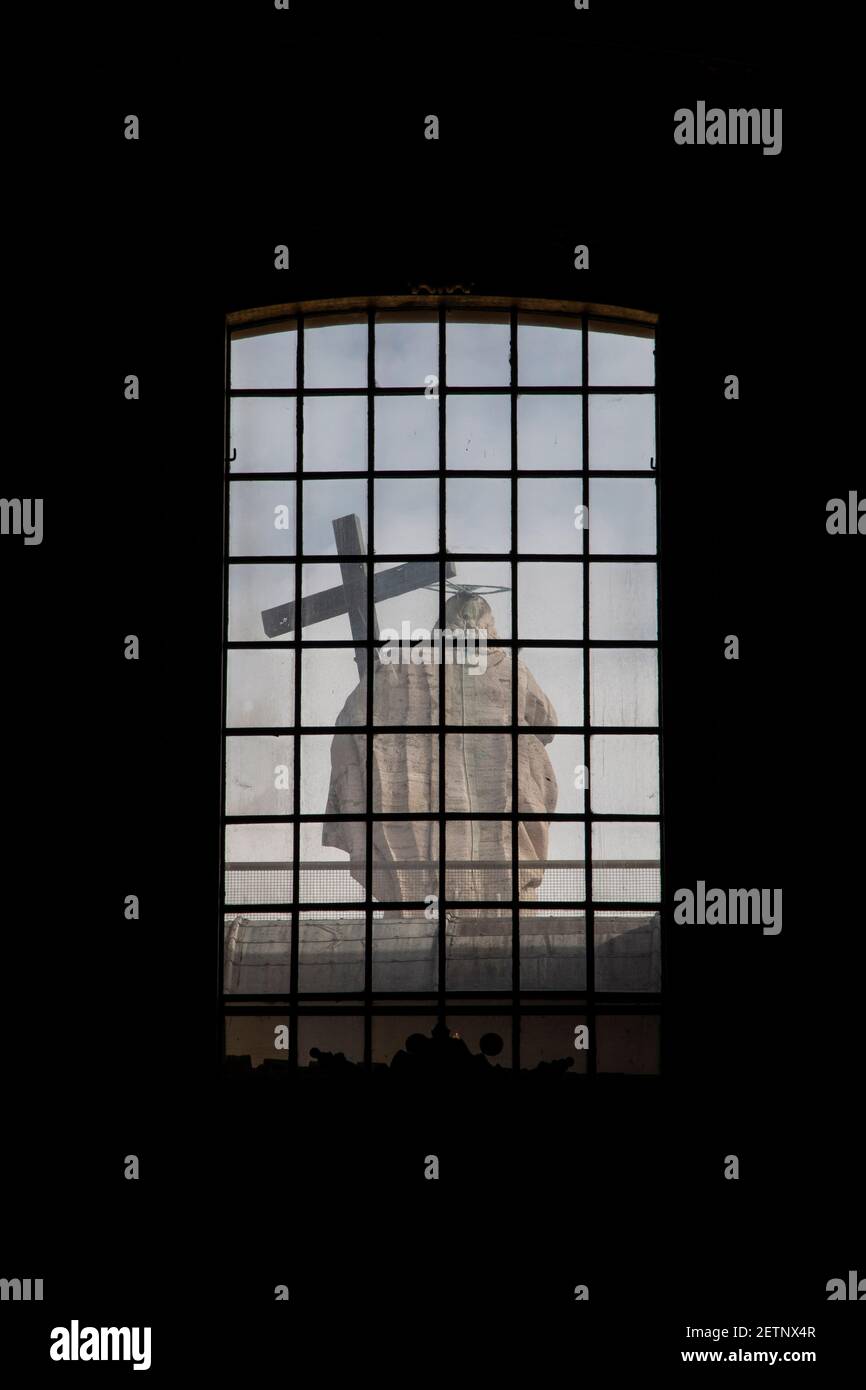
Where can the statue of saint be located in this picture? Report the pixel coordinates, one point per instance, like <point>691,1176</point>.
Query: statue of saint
<point>478,773</point>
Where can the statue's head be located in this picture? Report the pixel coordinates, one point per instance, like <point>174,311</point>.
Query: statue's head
<point>466,610</point>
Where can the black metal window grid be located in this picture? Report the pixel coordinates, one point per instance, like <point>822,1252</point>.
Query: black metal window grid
<point>305,901</point>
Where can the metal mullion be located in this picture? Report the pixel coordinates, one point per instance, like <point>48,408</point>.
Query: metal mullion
<point>283,730</point>
<point>224,704</point>
<point>441,920</point>
<point>663,935</point>
<point>486,557</point>
<point>515,745</point>
<point>567,643</point>
<point>370,656</point>
<point>589,935</point>
<point>294,968</point>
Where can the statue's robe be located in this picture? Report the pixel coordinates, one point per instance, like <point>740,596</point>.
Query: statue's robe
<point>477,778</point>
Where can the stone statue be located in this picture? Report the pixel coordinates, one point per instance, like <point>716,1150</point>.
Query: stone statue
<point>478,774</point>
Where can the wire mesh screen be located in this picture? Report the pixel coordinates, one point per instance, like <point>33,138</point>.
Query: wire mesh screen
<point>614,880</point>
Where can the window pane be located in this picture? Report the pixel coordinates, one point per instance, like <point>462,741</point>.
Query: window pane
<point>324,501</point>
<point>335,433</point>
<point>550,778</point>
<point>393,1035</point>
<point>622,516</point>
<point>261,518</point>
<point>548,516</point>
<point>331,954</point>
<point>478,772</point>
<point>558,672</point>
<point>330,687</point>
<point>625,774</point>
<point>487,1039</point>
<point>264,434</point>
<point>407,349</point>
<point>477,869</point>
<point>621,431</point>
<point>561,876</point>
<point>623,602</point>
<point>259,775</point>
<point>549,432</point>
<point>628,1043</point>
<point>406,863</point>
<point>478,949</point>
<point>254,1037</point>
<point>547,1042</point>
<point>332,866</point>
<point>335,351</point>
<point>625,861</point>
<point>330,1044</point>
<point>550,600</point>
<point>478,432</point>
<point>624,686</point>
<point>325,579</point>
<point>620,358</point>
<point>406,773</point>
<point>478,349</point>
<point>407,515</point>
<point>484,574</point>
<point>417,605</point>
<point>258,864</point>
<point>260,688</point>
<point>252,590</point>
<point>333,779</point>
<point>478,515</point>
<point>406,432</point>
<point>548,350</point>
<point>264,359</point>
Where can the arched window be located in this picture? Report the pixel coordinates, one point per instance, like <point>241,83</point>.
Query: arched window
<point>442,789</point>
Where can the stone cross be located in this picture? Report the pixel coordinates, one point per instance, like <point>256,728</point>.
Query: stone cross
<point>351,595</point>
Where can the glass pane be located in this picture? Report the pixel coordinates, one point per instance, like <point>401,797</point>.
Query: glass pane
<point>622,516</point>
<point>550,600</point>
<point>260,688</point>
<point>547,1042</point>
<point>416,602</point>
<point>551,778</point>
<point>324,502</point>
<point>628,1044</point>
<point>407,348</point>
<point>401,1043</point>
<point>625,774</point>
<point>623,602</point>
<point>478,948</point>
<point>548,350</point>
<point>326,581</point>
<point>621,358</point>
<point>335,351</point>
<point>549,432</point>
<point>406,433</point>
<point>252,1040</point>
<point>330,1045</point>
<point>258,953</point>
<point>406,688</point>
<point>406,865</point>
<point>259,775</point>
<point>487,1039</point>
<point>258,867</point>
<point>264,359</point>
<point>333,779</point>
<point>484,575</point>
<point>478,349</point>
<point>405,952</point>
<point>549,520</point>
<point>478,432</point>
<point>330,687</point>
<point>477,868</point>
<point>558,672</point>
<point>478,771</point>
<point>621,431</point>
<point>406,773</point>
<point>624,686</point>
<point>478,515</point>
<point>264,434</point>
<point>253,589</point>
<point>407,515</point>
<point>261,518</point>
<point>331,952</point>
<point>326,874</point>
<point>627,951</point>
<point>560,874</point>
<point>626,861</point>
<point>335,433</point>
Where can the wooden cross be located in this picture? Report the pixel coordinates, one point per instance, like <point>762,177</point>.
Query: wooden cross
<point>351,596</point>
